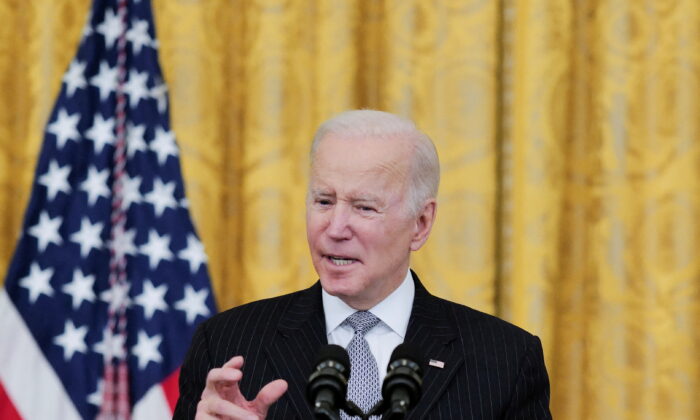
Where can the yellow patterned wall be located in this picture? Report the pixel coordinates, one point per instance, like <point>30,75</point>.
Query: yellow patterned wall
<point>569,135</point>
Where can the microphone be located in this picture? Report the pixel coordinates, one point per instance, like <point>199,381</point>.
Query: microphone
<point>328,382</point>
<point>402,385</point>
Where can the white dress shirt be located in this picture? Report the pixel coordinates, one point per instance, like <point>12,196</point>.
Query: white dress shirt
<point>394,312</point>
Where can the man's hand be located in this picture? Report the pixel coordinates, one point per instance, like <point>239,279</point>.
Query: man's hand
<point>222,396</point>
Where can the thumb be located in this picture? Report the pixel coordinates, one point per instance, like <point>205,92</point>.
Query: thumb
<point>269,394</point>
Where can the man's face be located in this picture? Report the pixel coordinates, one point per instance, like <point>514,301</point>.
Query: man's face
<point>359,229</point>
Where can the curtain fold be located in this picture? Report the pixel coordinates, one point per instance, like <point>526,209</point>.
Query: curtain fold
<point>569,139</point>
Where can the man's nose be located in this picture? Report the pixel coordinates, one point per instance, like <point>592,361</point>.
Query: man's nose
<point>339,223</point>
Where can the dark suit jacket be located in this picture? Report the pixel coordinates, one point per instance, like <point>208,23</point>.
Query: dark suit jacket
<point>493,370</point>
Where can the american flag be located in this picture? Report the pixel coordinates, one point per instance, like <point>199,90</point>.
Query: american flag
<point>109,279</point>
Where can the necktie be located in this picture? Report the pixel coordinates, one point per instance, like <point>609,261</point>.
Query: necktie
<point>363,386</point>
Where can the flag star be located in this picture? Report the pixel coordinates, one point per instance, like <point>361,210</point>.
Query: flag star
<point>193,304</point>
<point>157,249</point>
<point>111,347</point>
<point>55,179</point>
<point>146,349</point>
<point>37,282</point>
<point>164,145</point>
<point>138,35</point>
<point>135,140</point>
<point>194,253</point>
<point>152,298</point>
<point>110,28</point>
<point>46,231</point>
<point>75,77</point>
<point>95,185</point>
<point>159,92</point>
<point>65,127</point>
<point>96,397</point>
<point>105,80</point>
<point>131,191</point>
<point>117,296</point>
<point>162,196</point>
<point>136,88</point>
<point>123,244</point>
<point>72,340</point>
<point>88,236</point>
<point>80,288</point>
<point>101,132</point>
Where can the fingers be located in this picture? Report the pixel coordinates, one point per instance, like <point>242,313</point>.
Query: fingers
<point>223,381</point>
<point>217,408</point>
<point>269,394</point>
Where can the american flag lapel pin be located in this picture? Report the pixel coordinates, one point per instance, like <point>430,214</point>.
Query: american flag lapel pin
<point>437,363</point>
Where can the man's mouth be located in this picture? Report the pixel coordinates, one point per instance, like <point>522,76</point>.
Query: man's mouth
<point>339,261</point>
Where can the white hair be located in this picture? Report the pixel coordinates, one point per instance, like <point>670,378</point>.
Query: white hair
<point>370,124</point>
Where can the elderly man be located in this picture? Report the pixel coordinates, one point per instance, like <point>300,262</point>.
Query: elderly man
<point>371,202</point>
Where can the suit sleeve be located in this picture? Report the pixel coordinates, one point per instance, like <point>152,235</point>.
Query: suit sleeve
<point>531,394</point>
<point>193,376</point>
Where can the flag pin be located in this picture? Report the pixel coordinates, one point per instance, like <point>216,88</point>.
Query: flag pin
<point>437,363</point>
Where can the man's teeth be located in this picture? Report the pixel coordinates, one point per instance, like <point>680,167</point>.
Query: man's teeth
<point>341,261</point>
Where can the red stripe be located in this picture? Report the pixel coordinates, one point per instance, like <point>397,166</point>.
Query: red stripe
<point>7,409</point>
<point>170,389</point>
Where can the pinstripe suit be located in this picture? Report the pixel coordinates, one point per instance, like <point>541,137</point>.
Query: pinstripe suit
<point>493,370</point>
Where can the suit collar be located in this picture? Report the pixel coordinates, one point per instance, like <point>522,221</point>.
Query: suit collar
<point>432,329</point>
<point>302,331</point>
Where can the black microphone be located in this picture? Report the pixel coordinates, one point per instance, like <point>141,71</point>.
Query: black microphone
<point>328,382</point>
<point>402,385</point>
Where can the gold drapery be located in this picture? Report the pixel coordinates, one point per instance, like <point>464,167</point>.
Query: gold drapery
<point>568,133</point>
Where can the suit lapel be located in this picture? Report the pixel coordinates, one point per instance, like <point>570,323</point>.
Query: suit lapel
<point>431,329</point>
<point>300,333</point>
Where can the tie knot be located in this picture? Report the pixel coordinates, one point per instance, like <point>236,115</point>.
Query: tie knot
<point>362,321</point>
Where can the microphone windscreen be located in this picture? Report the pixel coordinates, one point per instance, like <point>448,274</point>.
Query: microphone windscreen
<point>333,352</point>
<point>407,351</point>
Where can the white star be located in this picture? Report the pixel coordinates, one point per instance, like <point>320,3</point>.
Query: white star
<point>74,77</point>
<point>55,179</point>
<point>136,88</point>
<point>131,191</point>
<point>110,28</point>
<point>162,196</point>
<point>159,92</point>
<point>164,145</point>
<point>105,80</point>
<point>65,127</point>
<point>152,298</point>
<point>124,244</point>
<point>72,340</point>
<point>135,141</point>
<point>193,304</point>
<point>117,296</point>
<point>95,185</point>
<point>147,349</point>
<point>37,282</point>
<point>96,397</point>
<point>88,236</point>
<point>80,288</point>
<point>138,35</point>
<point>194,253</point>
<point>111,346</point>
<point>101,132</point>
<point>156,249</point>
<point>46,231</point>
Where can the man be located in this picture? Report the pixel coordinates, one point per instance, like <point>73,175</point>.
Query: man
<point>371,202</point>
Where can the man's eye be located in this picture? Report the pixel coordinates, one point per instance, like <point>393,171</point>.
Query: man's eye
<point>366,209</point>
<point>324,202</point>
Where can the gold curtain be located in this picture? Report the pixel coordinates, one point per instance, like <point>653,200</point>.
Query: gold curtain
<point>569,139</point>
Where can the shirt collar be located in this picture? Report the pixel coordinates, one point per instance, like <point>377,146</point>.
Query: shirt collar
<point>394,310</point>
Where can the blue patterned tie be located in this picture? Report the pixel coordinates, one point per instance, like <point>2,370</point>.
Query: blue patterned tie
<point>363,386</point>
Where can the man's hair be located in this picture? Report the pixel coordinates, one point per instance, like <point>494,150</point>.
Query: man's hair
<point>424,176</point>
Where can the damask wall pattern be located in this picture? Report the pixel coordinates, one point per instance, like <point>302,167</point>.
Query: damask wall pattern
<point>569,138</point>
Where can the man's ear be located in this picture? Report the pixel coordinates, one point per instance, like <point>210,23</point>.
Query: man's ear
<point>423,224</point>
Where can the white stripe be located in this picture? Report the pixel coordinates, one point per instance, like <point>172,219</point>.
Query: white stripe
<point>28,378</point>
<point>153,406</point>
